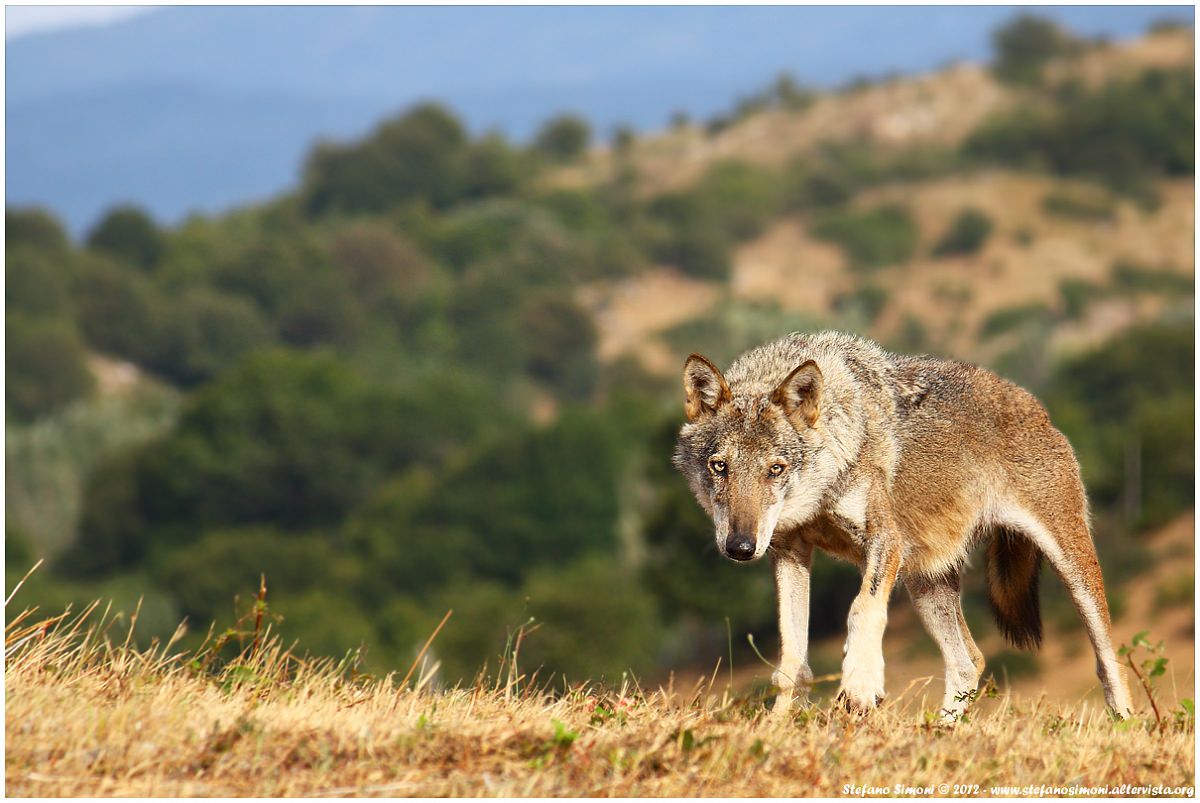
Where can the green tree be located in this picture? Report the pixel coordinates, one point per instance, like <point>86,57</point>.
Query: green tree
<point>1125,133</point>
<point>128,234</point>
<point>966,234</point>
<point>1132,394</point>
<point>495,168</point>
<point>35,228</point>
<point>44,366</point>
<point>557,488</point>
<point>619,617</point>
<point>742,198</point>
<point>284,439</point>
<point>1025,44</point>
<point>36,282</point>
<point>563,138</point>
<point>419,156</point>
<point>560,343</point>
<point>203,332</point>
<point>874,238</point>
<point>118,311</point>
<point>684,235</point>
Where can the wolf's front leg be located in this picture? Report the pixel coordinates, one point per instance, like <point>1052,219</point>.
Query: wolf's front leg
<point>862,669</point>
<point>793,568</point>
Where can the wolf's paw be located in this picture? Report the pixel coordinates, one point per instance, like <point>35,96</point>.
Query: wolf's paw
<point>862,684</point>
<point>792,677</point>
<point>792,683</point>
<point>854,705</point>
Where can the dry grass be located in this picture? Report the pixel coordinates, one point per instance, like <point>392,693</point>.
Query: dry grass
<point>89,714</point>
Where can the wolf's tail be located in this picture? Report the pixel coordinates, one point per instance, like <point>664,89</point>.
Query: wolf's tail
<point>1013,564</point>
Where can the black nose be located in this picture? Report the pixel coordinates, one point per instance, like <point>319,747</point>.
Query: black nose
<point>739,548</point>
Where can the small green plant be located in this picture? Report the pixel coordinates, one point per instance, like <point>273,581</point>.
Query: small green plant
<point>1010,318</point>
<point>878,237</point>
<point>1153,665</point>
<point>1134,278</point>
<point>966,235</point>
<point>563,737</point>
<point>1077,295</point>
<point>1089,204</point>
<point>865,302</point>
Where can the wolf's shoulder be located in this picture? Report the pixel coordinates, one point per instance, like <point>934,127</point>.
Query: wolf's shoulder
<point>830,350</point>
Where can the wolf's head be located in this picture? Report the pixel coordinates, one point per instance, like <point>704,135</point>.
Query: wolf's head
<point>753,462</point>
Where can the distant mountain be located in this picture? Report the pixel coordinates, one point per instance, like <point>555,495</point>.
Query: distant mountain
<point>197,108</point>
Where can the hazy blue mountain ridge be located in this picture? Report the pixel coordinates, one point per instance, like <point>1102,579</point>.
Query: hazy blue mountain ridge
<point>198,108</point>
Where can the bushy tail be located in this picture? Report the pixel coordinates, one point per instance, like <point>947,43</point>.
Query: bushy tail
<point>1013,564</point>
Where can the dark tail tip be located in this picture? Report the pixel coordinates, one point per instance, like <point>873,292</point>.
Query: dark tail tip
<point>1013,566</point>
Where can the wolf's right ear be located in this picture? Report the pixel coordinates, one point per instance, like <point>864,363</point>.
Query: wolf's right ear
<point>800,394</point>
<point>703,386</point>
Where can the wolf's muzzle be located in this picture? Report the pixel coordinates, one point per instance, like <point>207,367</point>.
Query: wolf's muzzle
<point>739,547</point>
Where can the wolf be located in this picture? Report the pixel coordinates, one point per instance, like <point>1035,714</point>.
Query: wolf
<point>900,465</point>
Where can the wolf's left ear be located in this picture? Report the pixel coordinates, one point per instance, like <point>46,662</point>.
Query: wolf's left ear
<point>800,394</point>
<point>704,387</point>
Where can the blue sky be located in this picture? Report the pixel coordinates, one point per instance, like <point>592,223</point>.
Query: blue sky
<point>22,20</point>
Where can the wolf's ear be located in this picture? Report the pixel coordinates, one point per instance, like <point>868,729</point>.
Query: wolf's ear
<point>800,394</point>
<point>704,387</point>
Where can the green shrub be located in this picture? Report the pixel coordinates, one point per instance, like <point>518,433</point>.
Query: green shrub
<point>966,235</point>
<point>45,366</point>
<point>563,138</point>
<point>419,156</point>
<point>50,461</point>
<point>685,235</point>
<point>1010,318</point>
<point>202,333</point>
<point>865,302</point>
<point>36,283</point>
<point>118,311</point>
<point>836,171</point>
<point>1024,46</point>
<point>127,234</point>
<point>1134,278</point>
<point>741,198</point>
<point>204,576</point>
<point>1080,204</point>
<point>495,168</point>
<point>791,96</point>
<point>623,139</point>
<point>875,238</point>
<point>560,344</point>
<point>1135,392</point>
<point>1076,295</point>
<point>1125,134</point>
<point>380,266</point>
<point>621,623</point>
<point>34,228</point>
<point>291,440</point>
<point>486,232</point>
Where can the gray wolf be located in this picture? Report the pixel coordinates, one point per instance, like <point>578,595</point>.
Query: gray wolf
<point>900,465</point>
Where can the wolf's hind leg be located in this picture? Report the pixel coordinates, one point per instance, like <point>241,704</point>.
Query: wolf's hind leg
<point>792,572</point>
<point>939,605</point>
<point>1064,538</point>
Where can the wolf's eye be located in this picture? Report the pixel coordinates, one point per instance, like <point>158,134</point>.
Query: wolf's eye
<point>776,469</point>
<point>717,466</point>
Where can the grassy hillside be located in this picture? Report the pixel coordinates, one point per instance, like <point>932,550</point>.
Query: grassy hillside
<point>1065,253</point>
<point>88,715</point>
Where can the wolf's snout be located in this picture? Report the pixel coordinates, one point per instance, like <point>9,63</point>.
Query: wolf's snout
<point>739,547</point>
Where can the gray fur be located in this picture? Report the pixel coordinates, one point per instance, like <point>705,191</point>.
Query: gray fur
<point>900,465</point>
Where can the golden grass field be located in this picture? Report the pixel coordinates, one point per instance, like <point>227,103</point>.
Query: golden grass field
<point>88,714</point>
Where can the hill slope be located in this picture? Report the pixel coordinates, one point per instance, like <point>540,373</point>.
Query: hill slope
<point>188,109</point>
